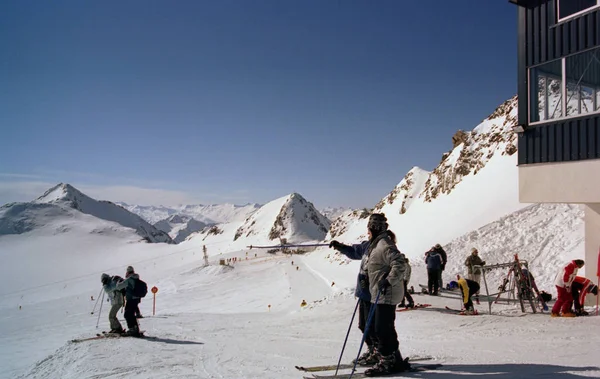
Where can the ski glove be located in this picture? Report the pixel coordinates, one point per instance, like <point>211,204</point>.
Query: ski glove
<point>335,244</point>
<point>383,285</point>
<point>363,281</point>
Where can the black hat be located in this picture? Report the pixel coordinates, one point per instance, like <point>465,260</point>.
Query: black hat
<point>377,223</point>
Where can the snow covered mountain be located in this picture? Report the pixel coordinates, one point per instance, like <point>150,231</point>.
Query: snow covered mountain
<point>62,205</point>
<point>334,212</point>
<point>180,227</point>
<point>474,184</point>
<point>208,214</point>
<point>291,217</point>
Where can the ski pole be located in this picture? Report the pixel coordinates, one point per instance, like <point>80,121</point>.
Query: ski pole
<point>97,298</point>
<point>371,313</point>
<point>347,334</point>
<point>283,246</point>
<point>100,311</point>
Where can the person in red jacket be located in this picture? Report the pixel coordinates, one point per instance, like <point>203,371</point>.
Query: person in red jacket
<point>563,283</point>
<point>579,290</point>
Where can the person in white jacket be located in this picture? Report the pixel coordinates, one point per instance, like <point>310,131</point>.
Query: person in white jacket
<point>116,301</point>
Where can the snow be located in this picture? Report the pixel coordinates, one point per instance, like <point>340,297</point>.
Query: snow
<point>215,321</point>
<point>179,227</point>
<point>65,202</point>
<point>208,214</point>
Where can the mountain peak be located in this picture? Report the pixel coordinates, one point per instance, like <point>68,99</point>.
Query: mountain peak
<point>60,192</point>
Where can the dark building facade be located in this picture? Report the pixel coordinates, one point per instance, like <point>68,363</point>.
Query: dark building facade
<point>558,74</point>
<point>559,80</point>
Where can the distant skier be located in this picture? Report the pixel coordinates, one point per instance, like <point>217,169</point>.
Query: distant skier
<point>129,284</point>
<point>434,268</point>
<point>468,288</point>
<point>564,280</point>
<point>579,289</point>
<point>406,280</point>
<point>474,273</point>
<point>444,256</point>
<point>116,301</point>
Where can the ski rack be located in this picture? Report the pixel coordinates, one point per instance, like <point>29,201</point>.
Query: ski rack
<point>519,288</point>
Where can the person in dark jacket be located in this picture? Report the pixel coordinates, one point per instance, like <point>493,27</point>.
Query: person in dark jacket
<point>116,301</point>
<point>406,280</point>
<point>132,302</point>
<point>444,256</point>
<point>385,267</point>
<point>359,251</point>
<point>433,259</point>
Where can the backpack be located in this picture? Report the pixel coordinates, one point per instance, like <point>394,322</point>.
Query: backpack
<point>140,288</point>
<point>118,279</point>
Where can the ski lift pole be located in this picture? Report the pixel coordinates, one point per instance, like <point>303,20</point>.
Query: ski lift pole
<point>100,311</point>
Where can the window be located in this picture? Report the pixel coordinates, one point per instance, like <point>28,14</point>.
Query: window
<point>567,8</point>
<point>568,87</point>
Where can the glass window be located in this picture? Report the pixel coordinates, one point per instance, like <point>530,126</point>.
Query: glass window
<point>546,91</point>
<point>568,8</point>
<point>550,99</point>
<point>583,82</point>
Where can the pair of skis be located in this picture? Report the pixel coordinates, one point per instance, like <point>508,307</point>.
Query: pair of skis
<point>417,306</point>
<point>414,368</point>
<point>106,335</point>
<point>462,312</point>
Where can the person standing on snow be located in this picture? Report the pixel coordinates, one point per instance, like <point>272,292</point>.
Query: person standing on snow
<point>563,283</point>
<point>444,256</point>
<point>132,303</point>
<point>406,280</point>
<point>359,251</point>
<point>468,288</point>
<point>385,267</point>
<point>116,301</point>
<point>579,289</point>
<point>434,268</point>
<point>474,273</point>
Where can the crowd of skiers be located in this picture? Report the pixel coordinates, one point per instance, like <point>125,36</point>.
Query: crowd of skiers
<point>126,293</point>
<point>382,285</point>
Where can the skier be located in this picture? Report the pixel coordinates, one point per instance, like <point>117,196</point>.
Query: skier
<point>579,289</point>
<point>444,256</point>
<point>385,267</point>
<point>116,301</point>
<point>434,268</point>
<point>355,252</point>
<point>468,288</point>
<point>406,279</point>
<point>563,283</point>
<point>132,301</point>
<point>474,273</point>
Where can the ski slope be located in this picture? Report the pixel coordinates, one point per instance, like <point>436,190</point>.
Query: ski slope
<point>215,321</point>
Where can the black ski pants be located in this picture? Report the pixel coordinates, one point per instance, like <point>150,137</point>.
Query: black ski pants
<point>364,308</point>
<point>130,309</point>
<point>407,294</point>
<point>385,329</point>
<point>433,279</point>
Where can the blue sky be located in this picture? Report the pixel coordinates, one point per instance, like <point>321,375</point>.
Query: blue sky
<point>243,101</point>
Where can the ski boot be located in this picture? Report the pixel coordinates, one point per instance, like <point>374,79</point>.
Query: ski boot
<point>133,332</point>
<point>410,305</point>
<point>117,331</point>
<point>389,364</point>
<point>369,357</point>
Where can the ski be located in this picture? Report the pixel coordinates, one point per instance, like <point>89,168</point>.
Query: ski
<point>349,365</point>
<point>418,368</point>
<point>417,306</point>
<point>462,312</point>
<point>106,335</point>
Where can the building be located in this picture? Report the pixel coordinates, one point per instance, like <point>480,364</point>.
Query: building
<point>559,109</point>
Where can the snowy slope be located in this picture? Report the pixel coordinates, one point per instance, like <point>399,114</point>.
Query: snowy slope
<point>245,320</point>
<point>474,184</point>
<point>331,213</point>
<point>208,214</point>
<point>61,204</point>
<point>179,227</point>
